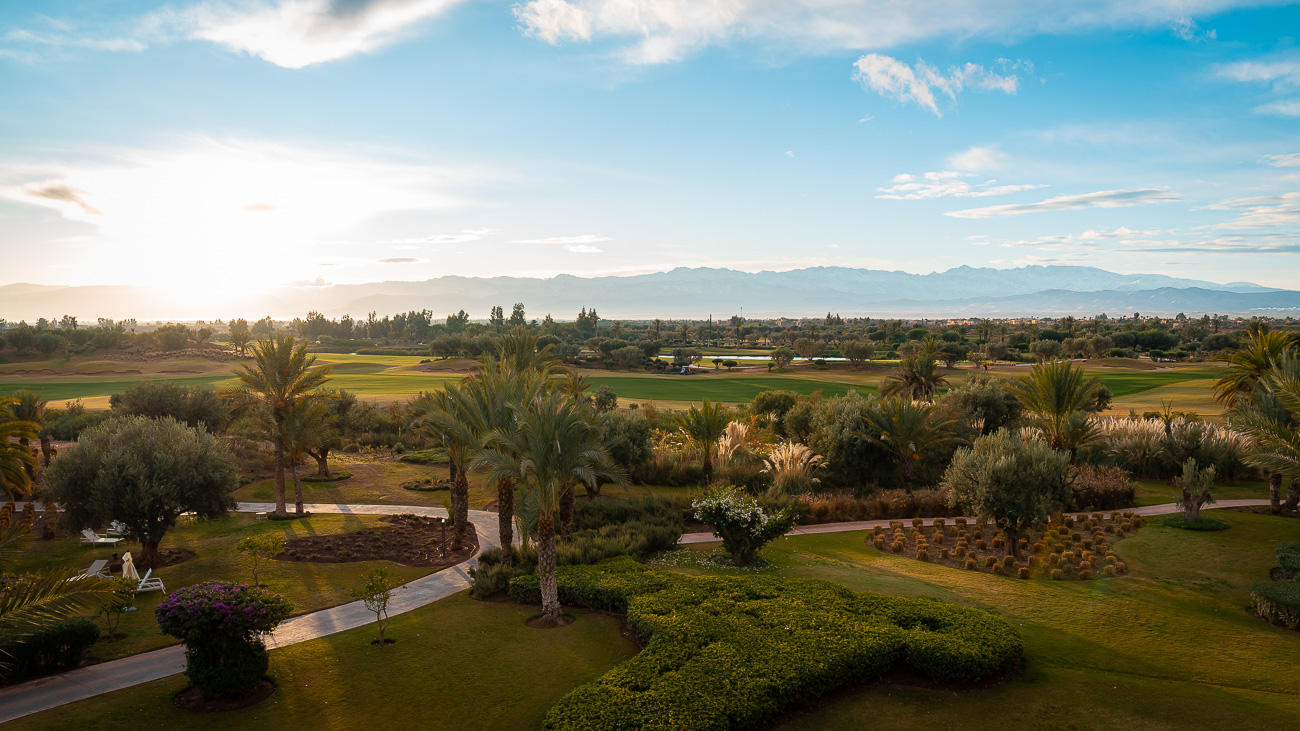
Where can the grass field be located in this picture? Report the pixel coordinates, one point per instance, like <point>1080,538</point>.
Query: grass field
<point>310,586</point>
<point>374,481</point>
<point>1170,646</point>
<point>1138,385</point>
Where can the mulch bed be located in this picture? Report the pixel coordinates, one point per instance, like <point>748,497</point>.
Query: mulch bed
<point>169,557</point>
<point>408,540</point>
<point>1068,548</point>
<point>191,699</point>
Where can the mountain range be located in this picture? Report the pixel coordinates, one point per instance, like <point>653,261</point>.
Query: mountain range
<point>699,292</point>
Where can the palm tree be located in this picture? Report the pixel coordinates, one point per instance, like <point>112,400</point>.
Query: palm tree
<point>908,429</point>
<point>17,461</point>
<point>704,426</point>
<point>445,417</point>
<point>282,376</point>
<point>307,425</point>
<point>27,406</point>
<point>1272,422</point>
<point>518,351</point>
<point>917,378</point>
<point>1053,392</point>
<point>574,385</point>
<point>554,446</point>
<point>1247,365</point>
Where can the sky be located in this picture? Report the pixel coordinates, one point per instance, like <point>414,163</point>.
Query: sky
<point>222,147</point>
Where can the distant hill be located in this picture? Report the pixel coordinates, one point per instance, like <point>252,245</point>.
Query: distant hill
<point>683,292</point>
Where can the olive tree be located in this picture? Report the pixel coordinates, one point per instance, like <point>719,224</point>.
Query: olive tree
<point>143,473</point>
<point>1014,482</point>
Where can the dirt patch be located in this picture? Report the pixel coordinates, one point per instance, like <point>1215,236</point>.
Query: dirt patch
<point>408,540</point>
<point>1069,548</point>
<point>107,373</point>
<point>169,557</point>
<point>540,622</point>
<point>40,372</point>
<point>180,373</point>
<point>191,699</point>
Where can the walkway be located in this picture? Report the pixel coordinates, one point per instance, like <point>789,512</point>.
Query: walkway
<point>1149,510</point>
<point>56,690</point>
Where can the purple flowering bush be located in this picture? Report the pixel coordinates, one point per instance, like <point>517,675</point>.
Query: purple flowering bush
<point>221,624</point>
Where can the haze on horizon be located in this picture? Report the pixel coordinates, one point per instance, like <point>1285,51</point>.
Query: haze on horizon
<point>220,148</point>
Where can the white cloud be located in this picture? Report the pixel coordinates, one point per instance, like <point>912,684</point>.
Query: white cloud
<point>1288,160</point>
<point>576,240</point>
<point>1107,245</point>
<point>1261,212</point>
<point>298,33</point>
<point>892,78</point>
<point>657,31</point>
<point>1280,72</point>
<point>585,249</point>
<point>68,40</point>
<point>789,153</point>
<point>1283,108</point>
<point>466,235</point>
<point>977,159</point>
<point>1100,199</point>
<point>945,184</point>
<point>1188,30</point>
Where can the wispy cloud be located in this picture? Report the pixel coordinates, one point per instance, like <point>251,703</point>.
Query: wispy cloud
<point>1261,211</point>
<point>585,249</point>
<point>977,159</point>
<point>399,260</point>
<point>298,33</point>
<point>1100,199</point>
<point>583,239</point>
<point>660,31</point>
<point>465,235</point>
<point>1281,108</point>
<point>1106,245</point>
<point>946,184</point>
<point>922,83</point>
<point>1288,160</point>
<point>1281,71</point>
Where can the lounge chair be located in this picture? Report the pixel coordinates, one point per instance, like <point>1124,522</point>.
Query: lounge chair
<point>116,529</point>
<point>150,583</point>
<point>94,539</point>
<point>97,569</point>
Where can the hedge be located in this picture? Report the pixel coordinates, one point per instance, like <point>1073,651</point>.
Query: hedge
<point>1278,601</point>
<point>1288,557</point>
<point>56,648</point>
<point>732,652</point>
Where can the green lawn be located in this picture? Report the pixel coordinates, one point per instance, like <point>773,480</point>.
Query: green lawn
<point>374,481</point>
<point>1156,492</point>
<point>310,586</point>
<point>718,387</point>
<point>1170,646</point>
<point>457,664</point>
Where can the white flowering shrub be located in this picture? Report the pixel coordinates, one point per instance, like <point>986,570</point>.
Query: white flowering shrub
<point>741,522</point>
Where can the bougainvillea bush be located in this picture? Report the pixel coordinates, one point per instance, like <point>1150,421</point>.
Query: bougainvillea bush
<point>741,522</point>
<point>221,624</point>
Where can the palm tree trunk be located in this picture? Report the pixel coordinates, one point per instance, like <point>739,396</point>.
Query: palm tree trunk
<point>708,465</point>
<point>1293,494</point>
<point>1275,493</point>
<point>566,513</point>
<point>506,520</point>
<point>551,611</point>
<point>297,489</point>
<point>279,466</point>
<point>459,509</point>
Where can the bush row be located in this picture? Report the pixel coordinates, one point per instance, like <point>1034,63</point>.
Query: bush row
<point>731,652</point>
<point>53,649</point>
<point>1288,557</point>
<point>1278,601</point>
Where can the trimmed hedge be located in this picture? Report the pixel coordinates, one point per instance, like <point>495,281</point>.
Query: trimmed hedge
<point>1288,557</point>
<point>1176,520</point>
<point>56,648</point>
<point>1278,601</point>
<point>731,652</point>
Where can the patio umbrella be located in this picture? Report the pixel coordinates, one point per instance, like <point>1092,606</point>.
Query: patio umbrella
<point>128,568</point>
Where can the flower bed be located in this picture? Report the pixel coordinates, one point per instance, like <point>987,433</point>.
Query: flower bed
<point>1069,548</point>
<point>734,652</point>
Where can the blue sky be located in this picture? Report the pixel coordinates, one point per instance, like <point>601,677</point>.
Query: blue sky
<point>225,146</point>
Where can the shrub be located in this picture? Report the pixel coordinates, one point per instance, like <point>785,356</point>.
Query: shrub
<point>56,648</point>
<point>1101,487</point>
<point>220,624</point>
<point>726,652</point>
<point>1278,601</point>
<point>261,548</point>
<point>1177,520</point>
<point>1288,558</point>
<point>971,563</point>
<point>740,522</point>
<point>1057,574</point>
<point>1085,574</point>
<point>1023,572</point>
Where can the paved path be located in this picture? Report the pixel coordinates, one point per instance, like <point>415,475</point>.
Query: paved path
<point>1163,509</point>
<point>56,690</point>
<point>50,692</point>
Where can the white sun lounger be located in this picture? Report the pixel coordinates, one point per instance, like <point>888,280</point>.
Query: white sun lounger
<point>97,569</point>
<point>94,539</point>
<point>150,583</point>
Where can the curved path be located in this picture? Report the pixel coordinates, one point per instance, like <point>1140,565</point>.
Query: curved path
<point>56,690</point>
